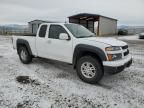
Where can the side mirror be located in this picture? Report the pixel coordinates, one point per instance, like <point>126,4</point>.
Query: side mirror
<point>64,36</point>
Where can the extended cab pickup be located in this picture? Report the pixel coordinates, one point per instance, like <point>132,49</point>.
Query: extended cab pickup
<point>90,55</point>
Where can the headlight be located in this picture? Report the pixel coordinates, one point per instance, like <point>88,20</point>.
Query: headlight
<point>113,57</point>
<point>113,48</point>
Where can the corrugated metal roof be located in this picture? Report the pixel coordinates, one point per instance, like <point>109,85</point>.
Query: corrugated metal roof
<point>88,15</point>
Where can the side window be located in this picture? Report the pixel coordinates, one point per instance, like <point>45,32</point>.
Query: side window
<point>42,31</point>
<point>55,31</point>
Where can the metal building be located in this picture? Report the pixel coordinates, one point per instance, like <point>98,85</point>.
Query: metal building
<point>33,25</point>
<point>99,24</point>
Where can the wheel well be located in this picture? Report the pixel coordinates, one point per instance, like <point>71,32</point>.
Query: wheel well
<point>20,45</point>
<point>23,45</point>
<point>87,53</point>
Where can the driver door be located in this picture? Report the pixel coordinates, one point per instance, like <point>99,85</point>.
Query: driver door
<point>58,49</point>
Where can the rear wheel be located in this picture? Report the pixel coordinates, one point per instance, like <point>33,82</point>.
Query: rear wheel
<point>24,55</point>
<point>89,69</point>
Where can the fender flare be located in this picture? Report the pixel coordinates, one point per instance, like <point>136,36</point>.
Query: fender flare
<point>23,42</point>
<point>80,48</point>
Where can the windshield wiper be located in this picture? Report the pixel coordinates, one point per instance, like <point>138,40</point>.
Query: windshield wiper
<point>86,36</point>
<point>91,36</point>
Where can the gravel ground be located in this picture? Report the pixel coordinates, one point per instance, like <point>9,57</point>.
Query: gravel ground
<point>54,84</point>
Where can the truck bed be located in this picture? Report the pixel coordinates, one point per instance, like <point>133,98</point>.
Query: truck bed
<point>29,38</point>
<point>28,34</point>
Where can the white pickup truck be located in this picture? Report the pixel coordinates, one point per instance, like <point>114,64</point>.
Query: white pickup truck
<point>91,56</point>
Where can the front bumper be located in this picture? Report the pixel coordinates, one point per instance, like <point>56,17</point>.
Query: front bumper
<point>117,66</point>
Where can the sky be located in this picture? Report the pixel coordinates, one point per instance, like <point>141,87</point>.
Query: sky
<point>128,12</point>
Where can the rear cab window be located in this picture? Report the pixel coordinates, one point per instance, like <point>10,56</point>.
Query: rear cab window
<point>42,31</point>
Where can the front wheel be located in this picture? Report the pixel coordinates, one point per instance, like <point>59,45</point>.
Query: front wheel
<point>89,69</point>
<point>24,55</point>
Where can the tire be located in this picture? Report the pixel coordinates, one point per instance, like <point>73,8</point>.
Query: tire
<point>89,69</point>
<point>24,55</point>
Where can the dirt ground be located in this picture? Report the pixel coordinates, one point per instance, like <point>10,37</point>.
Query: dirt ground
<point>51,84</point>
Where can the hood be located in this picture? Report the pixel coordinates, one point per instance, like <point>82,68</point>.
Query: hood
<point>105,40</point>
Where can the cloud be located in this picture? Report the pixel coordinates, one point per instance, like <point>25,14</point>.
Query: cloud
<point>22,11</point>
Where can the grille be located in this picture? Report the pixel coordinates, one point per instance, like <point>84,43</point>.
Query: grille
<point>125,47</point>
<point>126,53</point>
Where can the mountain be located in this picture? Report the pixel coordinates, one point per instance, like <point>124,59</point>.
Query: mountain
<point>13,29</point>
<point>14,26</point>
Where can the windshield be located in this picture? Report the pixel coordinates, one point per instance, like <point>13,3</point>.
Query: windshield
<point>79,31</point>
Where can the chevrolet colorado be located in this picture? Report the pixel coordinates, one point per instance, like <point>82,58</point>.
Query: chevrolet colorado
<point>90,55</point>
